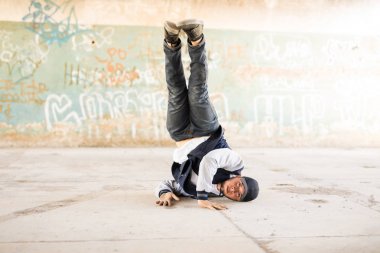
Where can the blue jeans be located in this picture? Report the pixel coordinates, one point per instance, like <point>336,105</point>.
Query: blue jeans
<point>190,112</point>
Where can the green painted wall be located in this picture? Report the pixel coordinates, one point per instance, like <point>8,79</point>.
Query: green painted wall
<point>65,84</point>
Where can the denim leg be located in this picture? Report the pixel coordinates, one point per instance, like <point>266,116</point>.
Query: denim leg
<point>178,120</point>
<point>204,120</point>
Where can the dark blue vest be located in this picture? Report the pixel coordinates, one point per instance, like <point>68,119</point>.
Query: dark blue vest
<point>182,172</point>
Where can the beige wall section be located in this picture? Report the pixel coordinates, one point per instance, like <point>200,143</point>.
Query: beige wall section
<point>316,16</point>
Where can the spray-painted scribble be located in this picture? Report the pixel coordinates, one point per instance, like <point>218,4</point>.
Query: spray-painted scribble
<point>90,41</point>
<point>220,103</point>
<point>343,52</point>
<point>52,21</point>
<point>58,108</point>
<point>116,73</point>
<point>78,75</point>
<point>295,52</point>
<point>21,61</point>
<point>146,109</point>
<point>27,93</point>
<point>94,107</point>
<point>100,76</point>
<point>275,109</point>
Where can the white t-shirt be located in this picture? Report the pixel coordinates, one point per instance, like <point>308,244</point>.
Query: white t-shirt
<point>180,154</point>
<point>219,158</point>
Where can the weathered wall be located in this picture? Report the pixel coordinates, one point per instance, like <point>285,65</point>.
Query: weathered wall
<point>91,73</point>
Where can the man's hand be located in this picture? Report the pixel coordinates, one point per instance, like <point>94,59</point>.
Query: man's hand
<point>211,205</point>
<point>166,199</point>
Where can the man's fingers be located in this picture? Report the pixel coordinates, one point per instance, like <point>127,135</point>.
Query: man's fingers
<point>220,207</point>
<point>211,207</point>
<point>175,197</point>
<point>206,204</point>
<point>217,207</point>
<point>164,202</point>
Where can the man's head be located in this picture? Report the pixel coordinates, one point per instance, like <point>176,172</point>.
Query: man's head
<point>240,188</point>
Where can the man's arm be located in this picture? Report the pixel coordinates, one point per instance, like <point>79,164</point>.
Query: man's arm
<point>219,158</point>
<point>169,186</point>
<point>168,190</point>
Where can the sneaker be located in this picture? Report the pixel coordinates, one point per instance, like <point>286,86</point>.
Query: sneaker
<point>171,32</point>
<point>192,27</point>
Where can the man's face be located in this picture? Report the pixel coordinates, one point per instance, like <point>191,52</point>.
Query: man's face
<point>233,188</point>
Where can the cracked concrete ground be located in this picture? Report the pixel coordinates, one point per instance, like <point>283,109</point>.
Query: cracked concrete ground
<point>101,200</point>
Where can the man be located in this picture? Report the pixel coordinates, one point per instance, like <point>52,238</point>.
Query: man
<point>204,165</point>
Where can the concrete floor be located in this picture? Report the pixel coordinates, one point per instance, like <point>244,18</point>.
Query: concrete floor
<point>101,200</point>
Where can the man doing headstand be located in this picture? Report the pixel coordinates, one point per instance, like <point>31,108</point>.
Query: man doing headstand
<point>204,165</point>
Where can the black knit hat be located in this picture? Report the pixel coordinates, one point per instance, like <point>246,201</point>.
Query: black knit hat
<point>251,189</point>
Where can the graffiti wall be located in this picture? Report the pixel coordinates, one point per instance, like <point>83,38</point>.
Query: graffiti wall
<point>63,83</point>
